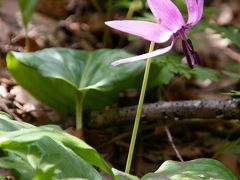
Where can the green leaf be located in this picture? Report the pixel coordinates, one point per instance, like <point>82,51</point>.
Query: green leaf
<point>166,66</point>
<point>124,176</point>
<point>31,134</point>
<point>234,93</point>
<point>205,73</point>
<point>8,125</point>
<point>56,75</point>
<point>232,70</point>
<point>26,8</point>
<point>65,160</point>
<point>46,157</point>
<point>232,67</point>
<point>16,163</point>
<point>231,32</point>
<point>46,174</point>
<point>198,169</point>
<point>232,74</point>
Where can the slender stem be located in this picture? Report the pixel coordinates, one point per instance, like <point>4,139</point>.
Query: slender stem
<point>27,42</point>
<point>170,139</point>
<point>131,9</point>
<point>129,15</point>
<point>106,39</point>
<point>139,110</point>
<point>97,6</point>
<point>79,110</point>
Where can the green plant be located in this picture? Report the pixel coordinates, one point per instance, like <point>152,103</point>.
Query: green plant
<point>26,9</point>
<point>47,152</point>
<point>35,152</point>
<point>69,80</point>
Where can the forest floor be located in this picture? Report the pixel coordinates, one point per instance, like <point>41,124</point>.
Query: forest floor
<point>77,24</point>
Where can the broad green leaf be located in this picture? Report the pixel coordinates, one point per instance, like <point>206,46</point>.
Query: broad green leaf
<point>65,160</point>
<point>27,8</point>
<point>6,123</point>
<point>198,169</point>
<point>124,176</point>
<point>46,174</point>
<point>31,134</point>
<point>16,163</point>
<point>56,75</point>
<point>47,157</point>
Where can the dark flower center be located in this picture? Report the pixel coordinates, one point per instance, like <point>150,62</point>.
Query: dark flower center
<point>191,55</point>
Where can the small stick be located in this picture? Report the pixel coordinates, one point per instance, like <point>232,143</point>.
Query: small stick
<point>170,140</point>
<point>226,109</point>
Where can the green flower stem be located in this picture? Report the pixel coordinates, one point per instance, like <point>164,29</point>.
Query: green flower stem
<point>106,40</point>
<point>139,111</point>
<point>79,110</point>
<point>97,6</point>
<point>131,9</point>
<point>129,15</point>
<point>27,41</point>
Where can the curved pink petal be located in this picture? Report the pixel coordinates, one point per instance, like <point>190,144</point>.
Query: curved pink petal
<point>147,30</point>
<point>144,56</point>
<point>195,11</point>
<point>200,9</point>
<point>192,8</point>
<point>167,13</point>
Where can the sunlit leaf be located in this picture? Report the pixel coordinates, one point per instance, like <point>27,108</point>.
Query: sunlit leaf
<point>16,163</point>
<point>7,123</point>
<point>196,169</point>
<point>27,8</point>
<point>47,173</point>
<point>56,75</point>
<point>32,134</point>
<point>46,157</point>
<point>124,176</point>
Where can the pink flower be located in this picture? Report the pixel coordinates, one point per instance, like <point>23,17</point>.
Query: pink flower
<point>171,26</point>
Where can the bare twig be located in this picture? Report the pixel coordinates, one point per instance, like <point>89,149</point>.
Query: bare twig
<point>170,139</point>
<point>177,110</point>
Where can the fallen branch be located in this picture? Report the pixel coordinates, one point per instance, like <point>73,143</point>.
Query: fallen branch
<point>172,110</point>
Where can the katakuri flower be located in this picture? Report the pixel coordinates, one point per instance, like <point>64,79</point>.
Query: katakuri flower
<point>171,25</point>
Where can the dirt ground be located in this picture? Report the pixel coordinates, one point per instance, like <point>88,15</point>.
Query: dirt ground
<point>80,25</point>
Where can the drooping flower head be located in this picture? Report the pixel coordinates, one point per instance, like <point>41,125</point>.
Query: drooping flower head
<point>171,25</point>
